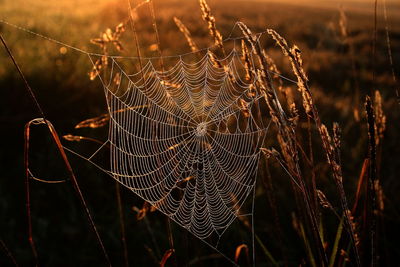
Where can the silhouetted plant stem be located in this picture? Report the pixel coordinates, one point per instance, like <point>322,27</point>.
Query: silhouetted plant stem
<point>122,223</point>
<point>8,253</point>
<point>371,194</point>
<point>57,141</point>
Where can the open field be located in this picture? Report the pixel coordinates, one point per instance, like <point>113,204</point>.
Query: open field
<point>336,39</point>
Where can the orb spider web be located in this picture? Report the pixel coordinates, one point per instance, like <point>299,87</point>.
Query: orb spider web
<point>187,139</point>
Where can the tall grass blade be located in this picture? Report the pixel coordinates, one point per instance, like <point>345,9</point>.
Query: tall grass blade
<point>75,184</point>
<point>371,194</point>
<point>122,223</point>
<point>336,243</point>
<point>57,141</point>
<point>8,253</point>
<point>266,251</point>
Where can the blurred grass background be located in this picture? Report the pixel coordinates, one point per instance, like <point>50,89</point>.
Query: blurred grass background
<point>59,77</point>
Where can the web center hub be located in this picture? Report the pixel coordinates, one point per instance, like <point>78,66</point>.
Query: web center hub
<point>201,129</point>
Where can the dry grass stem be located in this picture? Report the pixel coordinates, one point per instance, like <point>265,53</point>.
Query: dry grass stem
<point>187,34</point>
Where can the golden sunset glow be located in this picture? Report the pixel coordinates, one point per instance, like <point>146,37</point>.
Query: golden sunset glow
<point>199,133</point>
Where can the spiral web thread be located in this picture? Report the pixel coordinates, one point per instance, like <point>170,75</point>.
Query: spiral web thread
<point>186,140</point>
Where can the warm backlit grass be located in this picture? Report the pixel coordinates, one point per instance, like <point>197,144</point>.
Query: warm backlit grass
<point>340,71</point>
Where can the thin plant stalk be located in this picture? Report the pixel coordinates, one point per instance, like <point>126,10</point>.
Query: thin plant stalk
<point>267,181</point>
<point>371,194</point>
<point>8,253</point>
<point>155,28</point>
<point>336,243</point>
<point>286,135</point>
<point>294,55</point>
<point>122,223</point>
<point>73,179</point>
<point>28,194</point>
<point>57,141</point>
<point>389,50</point>
<point>375,36</point>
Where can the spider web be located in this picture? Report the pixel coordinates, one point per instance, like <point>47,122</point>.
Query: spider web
<point>186,140</point>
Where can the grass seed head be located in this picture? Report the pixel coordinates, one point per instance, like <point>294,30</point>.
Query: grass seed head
<point>187,34</point>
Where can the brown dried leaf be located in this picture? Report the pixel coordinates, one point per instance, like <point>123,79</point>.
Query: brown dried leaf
<point>96,122</point>
<point>270,152</point>
<point>166,256</point>
<point>72,138</point>
<point>141,213</point>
